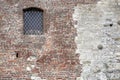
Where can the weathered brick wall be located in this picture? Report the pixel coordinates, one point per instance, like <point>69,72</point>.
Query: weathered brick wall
<point>50,56</point>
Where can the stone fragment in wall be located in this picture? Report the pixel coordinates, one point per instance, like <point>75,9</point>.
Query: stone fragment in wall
<point>78,78</point>
<point>32,66</point>
<point>28,68</point>
<point>35,77</point>
<point>113,74</point>
<point>32,58</point>
<point>117,54</point>
<point>103,76</point>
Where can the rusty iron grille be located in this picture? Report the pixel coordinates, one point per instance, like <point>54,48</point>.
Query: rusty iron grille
<point>33,21</point>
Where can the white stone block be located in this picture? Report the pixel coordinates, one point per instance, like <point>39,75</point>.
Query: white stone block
<point>28,68</point>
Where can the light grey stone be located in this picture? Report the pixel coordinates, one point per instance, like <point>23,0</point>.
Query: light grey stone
<point>98,24</point>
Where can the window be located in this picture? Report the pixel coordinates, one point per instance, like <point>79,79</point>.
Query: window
<point>33,21</point>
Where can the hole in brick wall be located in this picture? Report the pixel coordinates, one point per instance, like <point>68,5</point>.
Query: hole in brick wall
<point>111,25</point>
<point>100,47</point>
<point>17,55</point>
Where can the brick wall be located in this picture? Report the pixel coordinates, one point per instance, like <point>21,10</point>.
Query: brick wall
<point>50,56</point>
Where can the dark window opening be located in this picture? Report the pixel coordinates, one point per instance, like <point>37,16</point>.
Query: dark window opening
<point>33,21</point>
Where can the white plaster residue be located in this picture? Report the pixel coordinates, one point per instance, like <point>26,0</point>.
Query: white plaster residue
<point>28,68</point>
<point>35,77</point>
<point>97,25</point>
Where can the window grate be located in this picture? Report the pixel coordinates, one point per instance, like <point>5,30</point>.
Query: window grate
<point>33,21</point>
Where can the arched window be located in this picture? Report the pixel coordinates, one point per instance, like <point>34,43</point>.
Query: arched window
<point>33,21</point>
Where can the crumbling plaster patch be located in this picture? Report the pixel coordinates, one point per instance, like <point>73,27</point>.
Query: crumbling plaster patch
<point>97,25</point>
